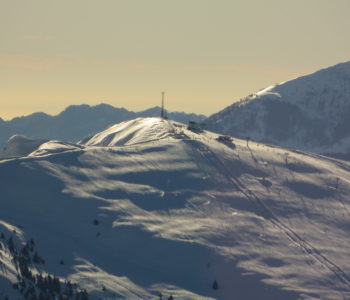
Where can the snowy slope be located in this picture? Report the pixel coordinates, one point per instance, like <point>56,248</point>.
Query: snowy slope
<point>310,112</point>
<point>19,145</point>
<point>149,207</point>
<point>137,131</point>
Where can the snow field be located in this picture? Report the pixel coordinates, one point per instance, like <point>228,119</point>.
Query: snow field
<point>149,207</point>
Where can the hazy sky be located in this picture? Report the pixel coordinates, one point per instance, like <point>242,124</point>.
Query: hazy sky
<point>204,54</point>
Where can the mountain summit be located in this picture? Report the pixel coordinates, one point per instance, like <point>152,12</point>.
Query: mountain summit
<point>154,209</point>
<point>311,112</point>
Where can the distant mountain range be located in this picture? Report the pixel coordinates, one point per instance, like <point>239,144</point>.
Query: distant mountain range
<point>78,121</point>
<point>311,113</point>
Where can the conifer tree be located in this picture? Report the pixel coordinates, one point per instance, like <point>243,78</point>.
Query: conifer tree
<point>215,285</point>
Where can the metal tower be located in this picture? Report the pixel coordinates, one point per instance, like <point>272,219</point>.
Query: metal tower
<point>162,112</point>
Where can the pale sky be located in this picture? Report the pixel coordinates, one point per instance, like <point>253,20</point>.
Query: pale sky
<point>205,54</point>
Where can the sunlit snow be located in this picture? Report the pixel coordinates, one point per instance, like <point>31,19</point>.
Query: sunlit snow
<point>148,206</point>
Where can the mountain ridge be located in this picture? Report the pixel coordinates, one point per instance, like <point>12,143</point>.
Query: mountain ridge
<point>310,112</point>
<point>77,121</point>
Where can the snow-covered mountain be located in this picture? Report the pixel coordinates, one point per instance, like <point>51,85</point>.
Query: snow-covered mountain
<point>77,121</point>
<point>19,145</point>
<point>148,208</point>
<point>310,112</point>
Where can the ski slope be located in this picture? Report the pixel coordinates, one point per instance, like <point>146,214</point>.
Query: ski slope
<point>148,207</point>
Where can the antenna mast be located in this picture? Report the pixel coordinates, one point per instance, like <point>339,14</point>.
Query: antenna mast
<point>162,112</point>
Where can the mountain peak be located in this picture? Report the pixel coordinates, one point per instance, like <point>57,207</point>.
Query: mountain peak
<point>78,121</point>
<point>137,131</point>
<point>309,112</point>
